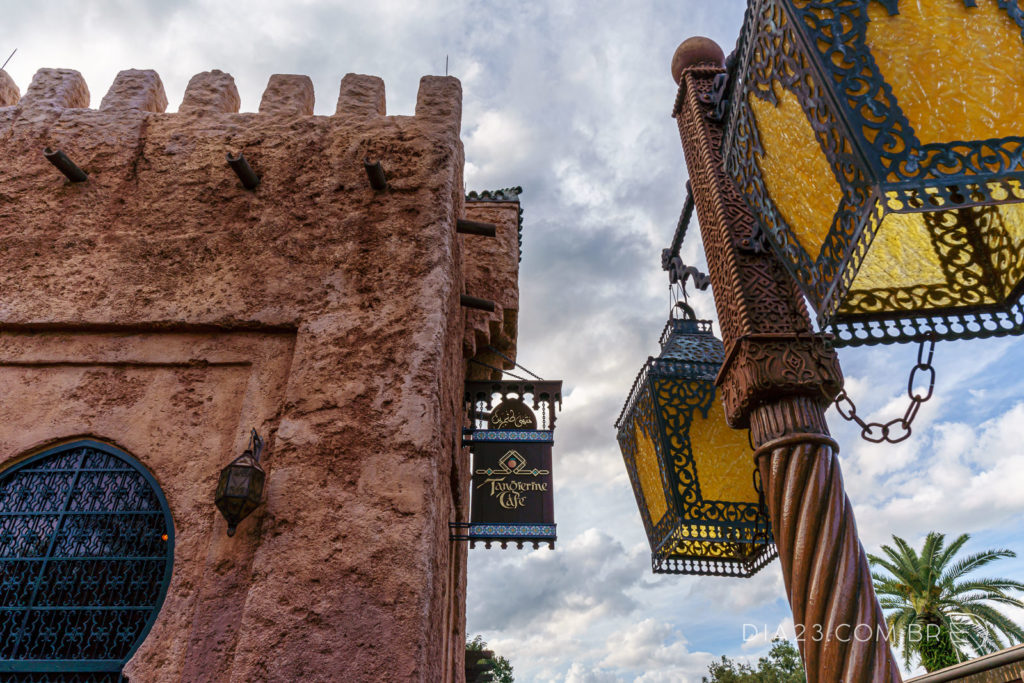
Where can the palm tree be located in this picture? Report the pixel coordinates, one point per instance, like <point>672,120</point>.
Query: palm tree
<point>933,611</point>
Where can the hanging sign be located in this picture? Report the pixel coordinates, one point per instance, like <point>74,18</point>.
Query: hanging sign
<point>512,483</point>
<point>511,489</point>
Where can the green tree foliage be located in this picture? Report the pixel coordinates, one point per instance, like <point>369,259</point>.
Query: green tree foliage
<point>501,672</point>
<point>936,614</point>
<point>497,668</point>
<point>782,665</point>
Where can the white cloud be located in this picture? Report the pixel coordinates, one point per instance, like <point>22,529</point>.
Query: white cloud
<point>965,478</point>
<point>656,648</point>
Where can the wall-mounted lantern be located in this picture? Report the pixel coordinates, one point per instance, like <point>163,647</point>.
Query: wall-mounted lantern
<point>693,475</point>
<point>879,146</point>
<point>240,488</point>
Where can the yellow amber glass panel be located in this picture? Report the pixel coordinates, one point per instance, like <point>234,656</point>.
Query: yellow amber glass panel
<point>1013,221</point>
<point>698,549</point>
<point>957,72</point>
<point>1004,237</point>
<point>709,541</point>
<point>901,255</point>
<point>710,550</point>
<point>795,170</point>
<point>722,457</point>
<point>650,476</point>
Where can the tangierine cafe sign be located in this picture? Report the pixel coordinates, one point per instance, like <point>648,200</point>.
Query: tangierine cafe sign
<point>511,488</point>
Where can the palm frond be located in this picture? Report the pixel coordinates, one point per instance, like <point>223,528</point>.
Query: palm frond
<point>990,616</point>
<point>975,598</point>
<point>987,585</point>
<point>929,566</point>
<point>975,561</point>
<point>952,549</point>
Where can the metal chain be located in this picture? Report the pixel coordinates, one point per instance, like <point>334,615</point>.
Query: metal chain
<point>898,429</point>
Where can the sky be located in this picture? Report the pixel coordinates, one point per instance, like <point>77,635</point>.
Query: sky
<point>572,101</point>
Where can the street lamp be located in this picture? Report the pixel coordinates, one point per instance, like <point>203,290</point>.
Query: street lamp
<point>776,379</point>
<point>878,144</point>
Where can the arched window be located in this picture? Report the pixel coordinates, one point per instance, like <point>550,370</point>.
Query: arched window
<point>86,550</point>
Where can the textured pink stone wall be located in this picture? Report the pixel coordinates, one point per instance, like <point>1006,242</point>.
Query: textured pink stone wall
<point>492,272</point>
<point>164,308</point>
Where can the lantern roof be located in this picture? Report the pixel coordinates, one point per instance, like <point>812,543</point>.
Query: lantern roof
<point>690,340</point>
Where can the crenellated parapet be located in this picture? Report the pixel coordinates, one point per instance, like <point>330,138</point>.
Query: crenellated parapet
<point>166,174</point>
<point>214,92</point>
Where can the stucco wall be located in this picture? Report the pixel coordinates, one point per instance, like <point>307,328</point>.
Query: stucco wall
<point>163,308</point>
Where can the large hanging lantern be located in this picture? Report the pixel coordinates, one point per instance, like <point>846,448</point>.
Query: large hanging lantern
<point>879,144</point>
<point>692,474</point>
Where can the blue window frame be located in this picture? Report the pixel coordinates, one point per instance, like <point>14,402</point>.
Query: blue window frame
<point>86,553</point>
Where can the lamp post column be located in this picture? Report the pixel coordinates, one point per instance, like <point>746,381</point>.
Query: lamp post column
<point>777,379</point>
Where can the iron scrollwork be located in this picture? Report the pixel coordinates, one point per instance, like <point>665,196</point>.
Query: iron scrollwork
<point>86,547</point>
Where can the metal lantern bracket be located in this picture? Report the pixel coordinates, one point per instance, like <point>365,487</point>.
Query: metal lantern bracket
<point>678,272</point>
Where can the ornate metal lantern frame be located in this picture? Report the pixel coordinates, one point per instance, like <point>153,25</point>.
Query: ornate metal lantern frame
<point>817,51</point>
<point>86,557</point>
<point>694,534</point>
<point>241,483</point>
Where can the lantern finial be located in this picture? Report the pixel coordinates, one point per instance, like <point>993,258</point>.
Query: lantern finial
<point>694,51</point>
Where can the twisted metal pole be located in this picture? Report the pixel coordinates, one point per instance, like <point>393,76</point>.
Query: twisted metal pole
<point>777,379</point>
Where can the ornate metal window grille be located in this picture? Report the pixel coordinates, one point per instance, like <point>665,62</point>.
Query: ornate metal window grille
<point>86,552</point>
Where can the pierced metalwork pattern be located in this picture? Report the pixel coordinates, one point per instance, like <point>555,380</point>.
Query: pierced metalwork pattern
<point>773,55</point>
<point>544,395</point>
<point>642,413</point>
<point>667,397</point>
<point>719,520</point>
<point>818,50</point>
<point>703,566</point>
<point>691,342</point>
<point>86,548</point>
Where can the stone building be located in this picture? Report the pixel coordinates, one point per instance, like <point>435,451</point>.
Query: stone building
<point>154,314</point>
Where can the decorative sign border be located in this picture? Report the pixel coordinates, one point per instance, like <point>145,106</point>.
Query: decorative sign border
<point>535,435</point>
